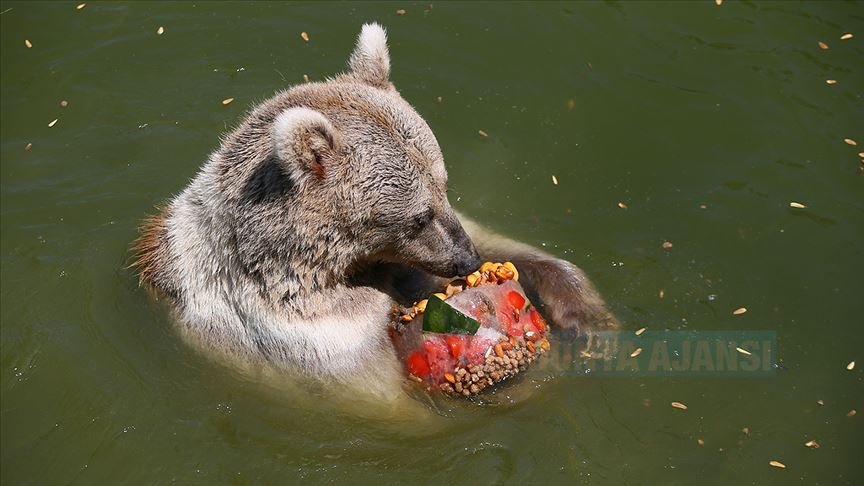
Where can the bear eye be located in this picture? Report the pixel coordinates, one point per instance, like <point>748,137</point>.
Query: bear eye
<point>421,220</point>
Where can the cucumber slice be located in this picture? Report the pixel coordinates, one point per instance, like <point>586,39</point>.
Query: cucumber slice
<point>440,317</point>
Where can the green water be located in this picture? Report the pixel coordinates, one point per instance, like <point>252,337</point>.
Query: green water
<point>662,106</point>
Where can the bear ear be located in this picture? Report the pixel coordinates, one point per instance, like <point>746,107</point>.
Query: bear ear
<point>370,61</point>
<point>306,142</point>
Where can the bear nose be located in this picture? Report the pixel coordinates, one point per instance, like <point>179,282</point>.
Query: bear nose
<point>467,263</point>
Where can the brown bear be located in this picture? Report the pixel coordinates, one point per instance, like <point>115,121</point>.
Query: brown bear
<point>321,210</point>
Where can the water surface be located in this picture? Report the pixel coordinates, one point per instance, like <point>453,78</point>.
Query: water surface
<point>705,121</point>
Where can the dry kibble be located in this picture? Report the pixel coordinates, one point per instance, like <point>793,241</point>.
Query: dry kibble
<point>512,268</point>
<point>421,306</point>
<point>227,101</point>
<point>797,205</point>
<point>679,405</point>
<point>777,464</point>
<point>823,45</point>
<point>743,351</point>
<point>304,36</point>
<point>28,43</point>
<point>739,311</point>
<point>160,30</point>
<point>846,36</point>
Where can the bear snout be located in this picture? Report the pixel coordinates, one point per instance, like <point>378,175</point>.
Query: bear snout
<point>467,263</point>
<point>465,256</point>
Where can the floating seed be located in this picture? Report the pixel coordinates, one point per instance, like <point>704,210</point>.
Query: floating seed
<point>700,442</point>
<point>823,45</point>
<point>777,464</point>
<point>304,36</point>
<point>28,43</point>
<point>160,30</point>
<point>849,141</point>
<point>622,205</point>
<point>820,402</point>
<point>812,444</point>
<point>554,180</point>
<point>745,431</point>
<point>739,311</point>
<point>851,413</point>
<point>640,331</point>
<point>666,245</point>
<point>636,352</point>
<point>401,11</point>
<point>305,78</point>
<point>64,103</point>
<point>718,2</point>
<point>679,405</point>
<point>831,81</point>
<point>482,133</point>
<point>227,101</point>
<point>796,205</point>
<point>850,366</point>
<point>662,293</point>
<point>53,122</point>
<point>743,351</point>
<point>846,36</point>
<point>80,6</point>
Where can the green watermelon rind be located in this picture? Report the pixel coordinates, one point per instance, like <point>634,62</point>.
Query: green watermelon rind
<point>441,318</point>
